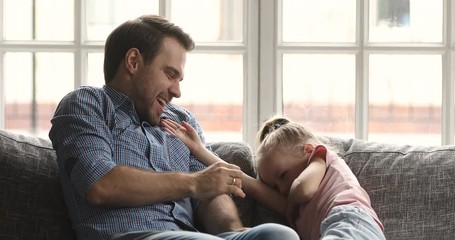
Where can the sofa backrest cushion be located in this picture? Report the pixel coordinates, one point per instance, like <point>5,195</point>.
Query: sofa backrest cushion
<point>411,187</point>
<point>31,200</point>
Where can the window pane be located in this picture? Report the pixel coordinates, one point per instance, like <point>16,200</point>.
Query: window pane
<point>319,91</point>
<point>405,98</point>
<point>34,84</point>
<point>18,91</point>
<point>319,21</point>
<point>406,21</point>
<point>209,20</point>
<point>95,74</point>
<point>54,20</point>
<point>105,15</point>
<point>213,91</point>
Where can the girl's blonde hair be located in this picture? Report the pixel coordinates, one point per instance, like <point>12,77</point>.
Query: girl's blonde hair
<point>282,131</point>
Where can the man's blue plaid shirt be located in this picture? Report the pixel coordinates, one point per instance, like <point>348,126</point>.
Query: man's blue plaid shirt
<point>95,129</point>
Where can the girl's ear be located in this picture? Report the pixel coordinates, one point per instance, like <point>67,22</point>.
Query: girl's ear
<point>308,148</point>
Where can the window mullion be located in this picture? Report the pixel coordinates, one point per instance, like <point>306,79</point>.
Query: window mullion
<point>268,77</point>
<point>165,8</point>
<point>251,67</point>
<point>361,102</point>
<point>448,84</point>
<point>2,86</point>
<point>80,72</point>
<point>2,94</point>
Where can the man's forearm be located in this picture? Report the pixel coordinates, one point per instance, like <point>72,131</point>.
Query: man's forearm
<point>219,215</point>
<point>127,186</point>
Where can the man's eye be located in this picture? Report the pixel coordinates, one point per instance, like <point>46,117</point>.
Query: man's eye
<point>169,75</point>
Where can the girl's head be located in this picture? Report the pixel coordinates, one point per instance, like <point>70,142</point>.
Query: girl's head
<point>283,151</point>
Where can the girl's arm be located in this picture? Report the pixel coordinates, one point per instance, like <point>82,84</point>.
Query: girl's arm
<point>266,195</point>
<point>258,190</point>
<point>307,183</point>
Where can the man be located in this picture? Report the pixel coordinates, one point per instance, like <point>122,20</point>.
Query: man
<point>123,176</point>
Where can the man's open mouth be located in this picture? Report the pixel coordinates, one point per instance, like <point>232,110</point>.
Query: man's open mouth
<point>162,101</point>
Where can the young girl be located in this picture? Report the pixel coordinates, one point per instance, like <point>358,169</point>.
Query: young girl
<point>323,198</point>
<point>331,203</point>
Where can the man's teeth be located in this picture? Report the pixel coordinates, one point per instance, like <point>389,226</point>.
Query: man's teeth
<point>161,101</point>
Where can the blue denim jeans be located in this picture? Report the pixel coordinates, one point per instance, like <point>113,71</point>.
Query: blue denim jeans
<point>268,231</point>
<point>348,222</point>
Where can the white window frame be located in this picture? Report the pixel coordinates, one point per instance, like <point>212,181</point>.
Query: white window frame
<point>272,50</point>
<point>248,48</point>
<point>262,52</point>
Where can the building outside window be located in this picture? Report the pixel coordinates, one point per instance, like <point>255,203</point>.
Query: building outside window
<point>380,70</point>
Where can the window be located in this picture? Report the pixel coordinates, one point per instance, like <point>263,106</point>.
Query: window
<point>59,46</point>
<point>380,70</point>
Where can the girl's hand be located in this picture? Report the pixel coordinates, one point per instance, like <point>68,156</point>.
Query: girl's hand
<point>184,132</point>
<point>188,135</point>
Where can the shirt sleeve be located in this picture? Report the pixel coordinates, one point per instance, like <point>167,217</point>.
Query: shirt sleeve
<point>320,151</point>
<point>82,139</point>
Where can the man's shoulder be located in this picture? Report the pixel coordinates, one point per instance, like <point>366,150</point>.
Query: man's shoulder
<point>83,91</point>
<point>85,94</point>
<point>177,113</point>
<point>83,99</point>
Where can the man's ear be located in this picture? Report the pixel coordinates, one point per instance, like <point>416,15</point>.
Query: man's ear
<point>132,60</point>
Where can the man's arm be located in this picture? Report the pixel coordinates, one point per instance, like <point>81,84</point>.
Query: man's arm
<point>128,186</point>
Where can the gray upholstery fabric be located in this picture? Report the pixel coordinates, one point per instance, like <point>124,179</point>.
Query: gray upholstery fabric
<point>31,201</point>
<point>410,187</point>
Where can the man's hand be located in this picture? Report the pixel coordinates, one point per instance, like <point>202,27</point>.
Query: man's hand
<point>219,178</point>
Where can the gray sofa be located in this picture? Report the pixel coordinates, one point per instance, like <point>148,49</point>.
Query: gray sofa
<point>412,188</point>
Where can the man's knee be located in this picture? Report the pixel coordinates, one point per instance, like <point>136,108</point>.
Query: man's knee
<point>273,231</point>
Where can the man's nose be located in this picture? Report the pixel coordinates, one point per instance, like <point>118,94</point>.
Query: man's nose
<point>175,89</point>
